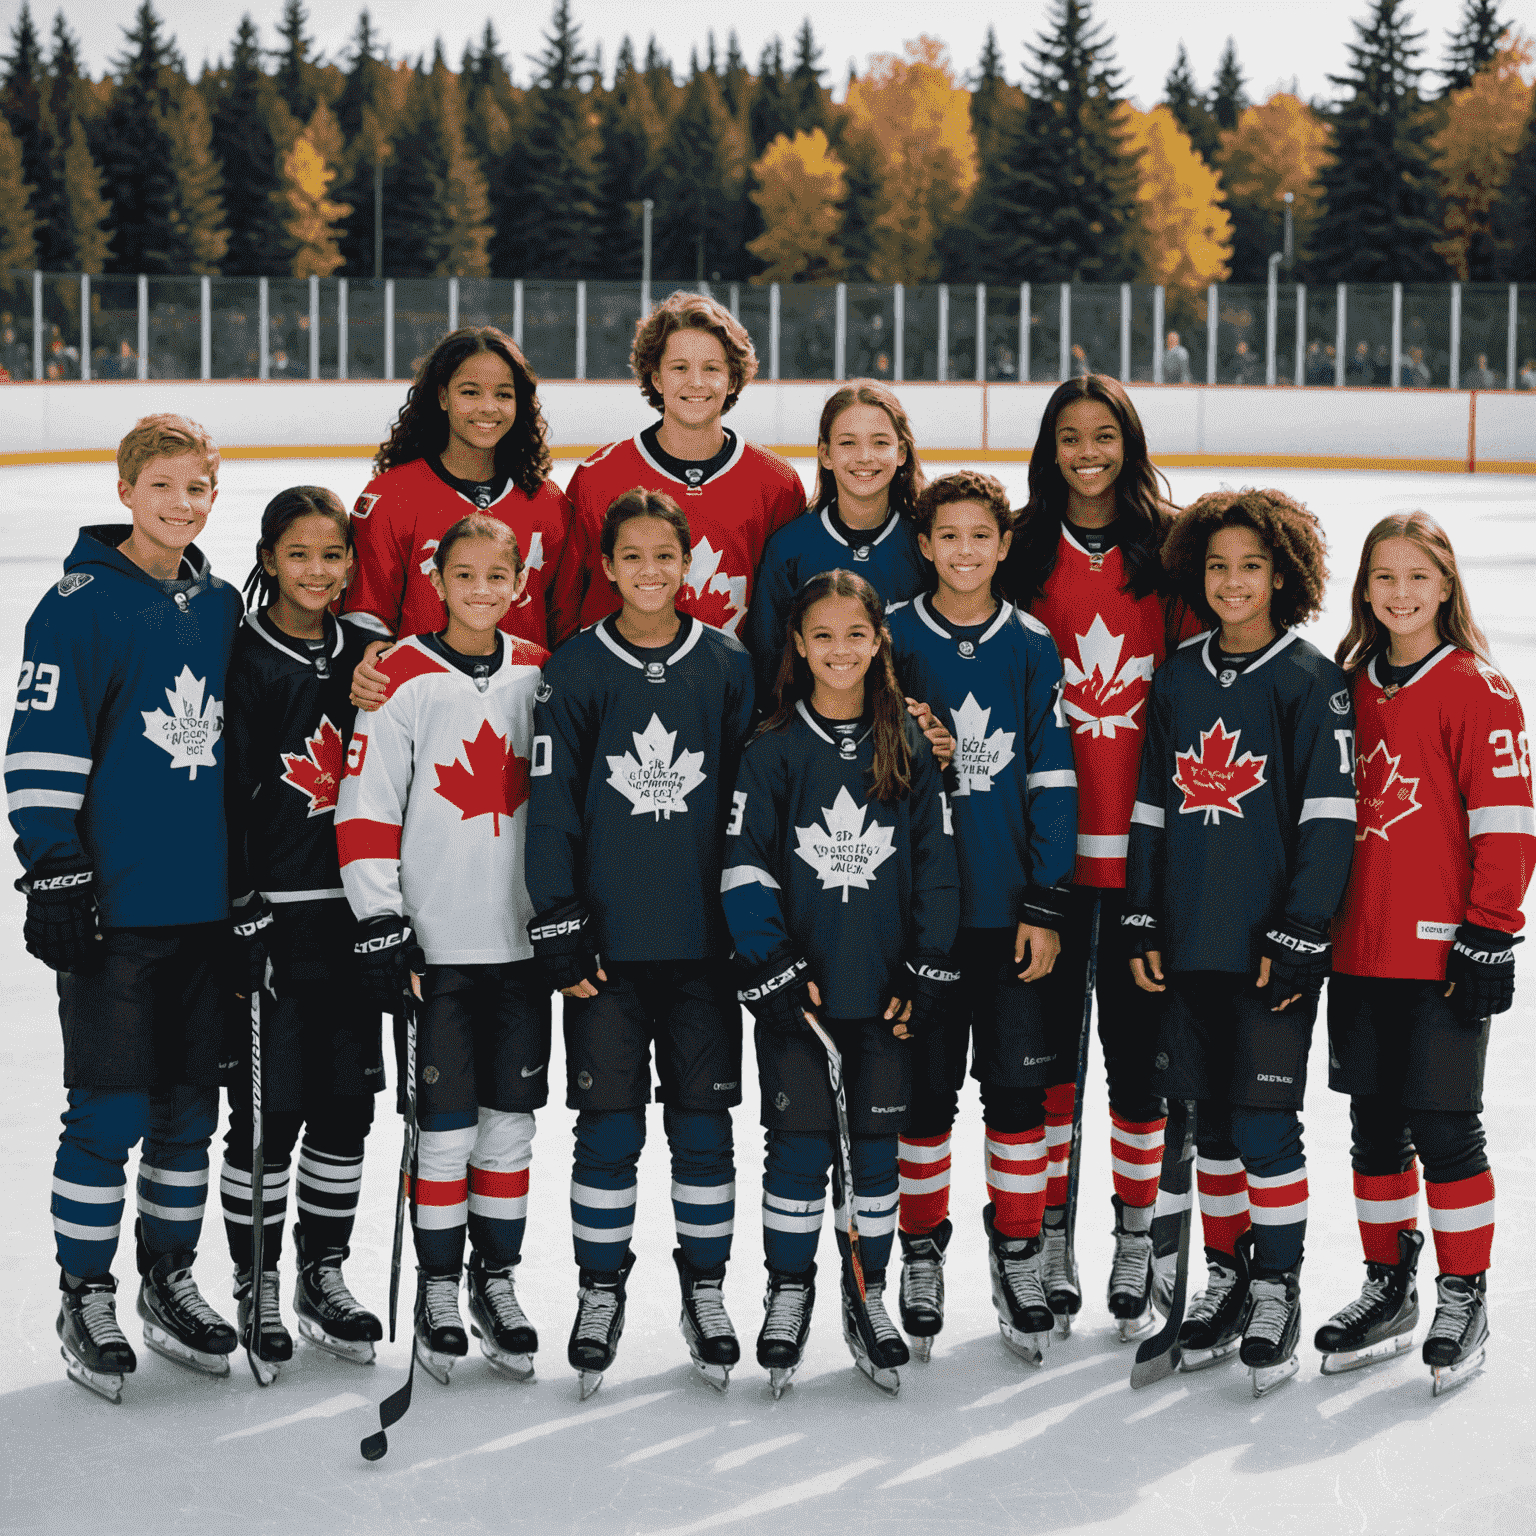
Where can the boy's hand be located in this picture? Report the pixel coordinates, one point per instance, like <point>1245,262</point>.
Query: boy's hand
<point>252,926</point>
<point>1296,958</point>
<point>61,923</point>
<point>370,687</point>
<point>922,990</point>
<point>1042,945</point>
<point>1140,929</point>
<point>562,944</point>
<point>1481,971</point>
<point>388,957</point>
<point>779,993</point>
<point>939,739</point>
<point>1147,972</point>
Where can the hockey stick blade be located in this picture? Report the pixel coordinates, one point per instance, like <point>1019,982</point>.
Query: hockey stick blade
<point>394,1408</point>
<point>407,1159</point>
<point>1158,1357</point>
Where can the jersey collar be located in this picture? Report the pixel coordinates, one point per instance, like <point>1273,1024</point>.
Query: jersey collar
<point>810,720</point>
<point>1272,650</point>
<point>694,630</point>
<point>730,463</point>
<point>1424,671</point>
<point>1097,561</point>
<point>891,520</point>
<point>288,645</point>
<point>924,611</point>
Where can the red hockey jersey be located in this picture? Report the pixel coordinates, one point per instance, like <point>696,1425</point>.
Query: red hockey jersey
<point>397,523</point>
<point>1110,644</point>
<point>732,516</point>
<point>1446,833</point>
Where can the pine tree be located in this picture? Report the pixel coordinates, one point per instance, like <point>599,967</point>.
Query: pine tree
<point>736,81</point>
<point>1514,216</point>
<point>197,234</point>
<point>658,74</point>
<point>1187,104</point>
<point>630,132</point>
<point>698,223</point>
<point>24,101</point>
<point>78,235</point>
<point>364,111</point>
<point>85,196</point>
<point>1229,91</point>
<point>311,221</point>
<point>1473,44</point>
<point>249,157</point>
<point>807,96</point>
<point>860,205</point>
<point>18,249</point>
<point>295,71</point>
<point>67,98</point>
<point>1380,219</point>
<point>771,113</point>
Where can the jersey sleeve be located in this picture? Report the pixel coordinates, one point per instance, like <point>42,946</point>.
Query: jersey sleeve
<point>1147,853</point>
<point>568,588</point>
<point>243,756</point>
<point>1051,781</point>
<point>59,698</point>
<point>564,741</point>
<point>763,632</point>
<point>381,538</point>
<point>370,809</point>
<point>749,892</point>
<point>935,913</point>
<point>1322,734</point>
<point>791,502</point>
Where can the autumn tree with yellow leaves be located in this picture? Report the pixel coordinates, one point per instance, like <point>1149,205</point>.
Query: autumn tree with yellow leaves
<point>799,185</point>
<point>311,221</point>
<point>1277,147</point>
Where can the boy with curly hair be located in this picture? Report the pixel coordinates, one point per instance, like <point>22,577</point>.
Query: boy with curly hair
<point>1241,840</point>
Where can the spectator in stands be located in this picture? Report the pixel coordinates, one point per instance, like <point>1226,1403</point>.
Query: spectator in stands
<point>1175,360</point>
<point>1415,371</point>
<point>1527,377</point>
<point>1081,367</point>
<point>1480,376</point>
<point>1382,370</point>
<point>1319,365</point>
<point>1358,371</point>
<point>127,360</point>
<point>1245,366</point>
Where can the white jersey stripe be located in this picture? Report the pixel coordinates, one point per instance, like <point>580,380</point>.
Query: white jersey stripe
<point>1520,819</point>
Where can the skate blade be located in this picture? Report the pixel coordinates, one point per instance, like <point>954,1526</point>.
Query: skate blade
<point>515,1367</point>
<point>922,1346</point>
<point>589,1382</point>
<point>1446,1378</point>
<point>1204,1359</point>
<point>780,1379</point>
<point>1062,1327</point>
<point>1029,1347</point>
<point>358,1351</point>
<point>716,1376</point>
<point>435,1365</point>
<point>107,1384</point>
<point>884,1377</point>
<point>1371,1354</point>
<point>1133,1328</point>
<point>1267,1377</point>
<point>172,1349</point>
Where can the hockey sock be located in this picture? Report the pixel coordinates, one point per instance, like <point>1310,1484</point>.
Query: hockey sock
<point>1059,1101</point>
<point>794,1199</point>
<point>1016,1180</point>
<point>1269,1142</point>
<point>1135,1158</point>
<point>173,1170</point>
<point>1461,1216</point>
<point>923,1163</point>
<point>329,1186</point>
<point>280,1133</point>
<point>440,1190</point>
<point>875,1198</point>
<point>89,1187</point>
<point>703,1184</point>
<point>1386,1204</point>
<point>498,1185</point>
<point>603,1187</point>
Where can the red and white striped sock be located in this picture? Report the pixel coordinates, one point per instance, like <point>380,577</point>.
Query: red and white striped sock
<point>1136,1158</point>
<point>1277,1206</point>
<point>1461,1215</point>
<point>1059,1101</point>
<point>1223,1186</point>
<point>1016,1163</point>
<point>923,1163</point>
<point>1386,1204</point>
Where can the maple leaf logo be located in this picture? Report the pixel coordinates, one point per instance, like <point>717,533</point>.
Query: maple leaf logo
<point>1097,678</point>
<point>656,783</point>
<point>429,549</point>
<point>711,595</point>
<point>494,784</point>
<point>192,727</point>
<point>845,854</point>
<point>318,769</point>
<point>978,756</point>
<point>1382,795</point>
<point>1213,779</point>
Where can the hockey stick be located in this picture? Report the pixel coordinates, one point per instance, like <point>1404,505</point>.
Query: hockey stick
<point>1158,1357</point>
<point>263,1370</point>
<point>842,1172</point>
<point>1075,1157</point>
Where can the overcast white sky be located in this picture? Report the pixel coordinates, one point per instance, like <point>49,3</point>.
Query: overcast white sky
<point>1277,40</point>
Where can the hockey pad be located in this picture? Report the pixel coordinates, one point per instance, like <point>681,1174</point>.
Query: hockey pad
<point>929,985</point>
<point>61,922</point>
<point>1043,906</point>
<point>777,993</point>
<point>1482,964</point>
<point>1140,930</point>
<point>562,944</point>
<point>387,953</point>
<point>1300,957</point>
<point>253,929</point>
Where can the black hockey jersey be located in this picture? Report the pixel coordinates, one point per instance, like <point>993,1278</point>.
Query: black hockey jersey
<point>1245,810</point>
<point>998,688</point>
<point>287,722</point>
<point>635,751</point>
<point>853,884</point>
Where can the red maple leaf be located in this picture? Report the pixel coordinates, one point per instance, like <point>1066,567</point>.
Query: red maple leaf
<point>319,770</point>
<point>1210,778</point>
<point>494,784</point>
<point>708,607</point>
<point>1382,796</point>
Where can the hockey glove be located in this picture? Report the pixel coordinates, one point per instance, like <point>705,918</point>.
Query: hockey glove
<point>387,953</point>
<point>61,924</point>
<point>1482,964</point>
<point>253,930</point>
<point>1140,932</point>
<point>777,993</point>
<point>1299,959</point>
<point>562,944</point>
<point>930,986</point>
<point>1043,906</point>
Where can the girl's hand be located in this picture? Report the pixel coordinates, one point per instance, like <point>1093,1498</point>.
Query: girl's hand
<point>369,686</point>
<point>584,988</point>
<point>1043,946</point>
<point>1263,981</point>
<point>939,739</point>
<point>815,992</point>
<point>1147,972</point>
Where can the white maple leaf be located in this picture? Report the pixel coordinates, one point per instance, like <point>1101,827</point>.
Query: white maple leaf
<point>535,552</point>
<point>429,564</point>
<point>192,727</point>
<point>716,596</point>
<point>977,755</point>
<point>655,783</point>
<point>845,854</point>
<point>1097,678</point>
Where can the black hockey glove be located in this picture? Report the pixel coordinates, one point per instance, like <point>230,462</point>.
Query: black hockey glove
<point>61,925</point>
<point>1043,906</point>
<point>930,986</point>
<point>1482,964</point>
<point>387,953</point>
<point>562,944</point>
<point>777,993</point>
<point>1299,959</point>
<point>1140,933</point>
<point>252,924</point>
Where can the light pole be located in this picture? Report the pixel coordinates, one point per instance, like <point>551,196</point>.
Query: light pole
<point>645,258</point>
<point>1287,255</point>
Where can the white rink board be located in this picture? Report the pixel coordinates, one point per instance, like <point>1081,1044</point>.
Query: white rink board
<point>975,1441</point>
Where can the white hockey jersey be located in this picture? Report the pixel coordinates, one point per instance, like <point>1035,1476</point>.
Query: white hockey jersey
<point>432,815</point>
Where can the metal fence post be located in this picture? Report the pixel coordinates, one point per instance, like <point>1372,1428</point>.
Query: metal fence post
<point>840,335</point>
<point>1212,324</point>
<point>1513,337</point>
<point>943,358</point>
<point>981,333</point>
<point>453,303</point>
<point>1271,319</point>
<point>517,311</point>
<point>1158,321</point>
<point>37,324</point>
<point>389,327</point>
<point>773,330</point>
<point>85,326</point>
<point>899,332</point>
<point>341,327</point>
<point>143,326</point>
<point>314,327</point>
<point>1301,334</point>
<point>1340,333</point>
<point>1397,335</point>
<point>1065,369</point>
<point>1125,333</point>
<point>1455,365</point>
<point>647,207</point>
<point>1024,333</point>
<point>205,327</point>
<point>736,301</point>
<point>264,325</point>
<point>581,329</point>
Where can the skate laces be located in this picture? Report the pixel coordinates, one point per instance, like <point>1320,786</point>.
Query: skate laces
<point>1133,1254</point>
<point>440,1301</point>
<point>879,1319</point>
<point>1453,1310</point>
<point>270,1300</point>
<point>189,1301</point>
<point>98,1316</point>
<point>333,1288</point>
<point>708,1303</point>
<point>500,1296</point>
<point>1053,1262</point>
<point>1271,1311</point>
<point>1021,1274</point>
<point>598,1308</point>
<point>786,1308</point>
<point>1378,1280</point>
<point>922,1283</point>
<point>1219,1284</point>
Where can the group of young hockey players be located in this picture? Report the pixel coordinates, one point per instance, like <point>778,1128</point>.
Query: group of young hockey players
<point>915,777</point>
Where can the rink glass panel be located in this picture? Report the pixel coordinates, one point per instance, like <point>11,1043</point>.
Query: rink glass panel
<point>1525,337</point>
<point>920,334</point>
<point>613,311</point>
<point>549,328</point>
<point>1322,332</point>
<point>1003,334</point>
<point>1484,332</point>
<point>871,346</point>
<point>421,320</point>
<point>1425,360</point>
<point>365,329</point>
<point>1239,334</point>
<point>176,328</point>
<point>1044,333</point>
<point>753,304</point>
<point>1368,336</point>
<point>807,321</point>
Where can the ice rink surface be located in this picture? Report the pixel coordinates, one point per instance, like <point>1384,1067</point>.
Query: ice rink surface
<point>976,1440</point>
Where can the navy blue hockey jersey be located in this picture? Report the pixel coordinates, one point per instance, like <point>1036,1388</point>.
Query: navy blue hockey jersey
<point>634,754</point>
<point>852,884</point>
<point>116,748</point>
<point>998,688</point>
<point>1245,811</point>
<point>886,557</point>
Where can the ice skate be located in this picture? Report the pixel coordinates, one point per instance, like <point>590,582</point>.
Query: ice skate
<point>178,1322</point>
<point>704,1323</point>
<point>1130,1276</point>
<point>1063,1294</point>
<point>1456,1345</point>
<point>507,1339</point>
<point>1378,1324</point>
<point>95,1352</point>
<point>872,1338</point>
<point>922,1287</point>
<point>1272,1330</point>
<point>786,1326</point>
<point>1024,1316</point>
<point>440,1336</point>
<point>599,1324</point>
<point>1213,1329</point>
<point>330,1317</point>
<point>274,1344</point>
